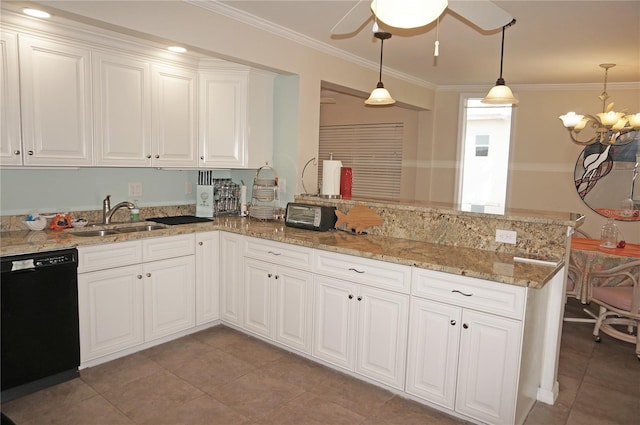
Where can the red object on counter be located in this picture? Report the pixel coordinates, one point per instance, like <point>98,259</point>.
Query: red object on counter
<point>346,182</point>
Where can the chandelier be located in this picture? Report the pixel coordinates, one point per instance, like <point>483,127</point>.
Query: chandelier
<point>611,127</point>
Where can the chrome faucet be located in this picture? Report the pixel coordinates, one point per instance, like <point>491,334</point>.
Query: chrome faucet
<point>107,211</point>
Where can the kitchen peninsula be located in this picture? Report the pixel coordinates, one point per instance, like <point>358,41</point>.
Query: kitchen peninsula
<point>425,266</point>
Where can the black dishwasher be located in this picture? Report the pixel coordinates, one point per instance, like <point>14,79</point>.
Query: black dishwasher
<point>40,337</point>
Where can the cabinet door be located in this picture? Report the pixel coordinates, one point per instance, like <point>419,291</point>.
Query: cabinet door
<point>257,283</point>
<point>169,296</point>
<point>207,277</point>
<point>488,367</point>
<point>174,142</point>
<point>122,110</point>
<point>110,309</point>
<point>55,92</point>
<point>10,135</point>
<point>293,291</point>
<point>230,277</point>
<point>434,333</point>
<point>383,318</point>
<point>334,323</point>
<point>260,119</point>
<point>223,99</point>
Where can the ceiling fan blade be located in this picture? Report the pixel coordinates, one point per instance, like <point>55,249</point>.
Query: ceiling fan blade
<point>482,13</point>
<point>353,20</point>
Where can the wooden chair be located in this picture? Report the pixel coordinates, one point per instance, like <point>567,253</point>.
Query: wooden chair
<point>619,304</point>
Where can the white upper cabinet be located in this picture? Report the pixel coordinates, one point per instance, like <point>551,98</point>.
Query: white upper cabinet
<point>174,117</point>
<point>235,118</point>
<point>10,136</point>
<point>122,110</point>
<point>55,88</point>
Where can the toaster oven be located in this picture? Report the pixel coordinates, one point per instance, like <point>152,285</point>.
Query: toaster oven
<point>310,217</point>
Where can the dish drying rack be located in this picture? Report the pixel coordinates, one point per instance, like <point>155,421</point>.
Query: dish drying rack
<point>264,195</point>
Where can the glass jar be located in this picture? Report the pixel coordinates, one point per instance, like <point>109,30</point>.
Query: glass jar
<point>609,234</point>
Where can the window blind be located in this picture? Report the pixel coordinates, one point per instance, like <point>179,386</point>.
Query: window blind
<point>374,153</point>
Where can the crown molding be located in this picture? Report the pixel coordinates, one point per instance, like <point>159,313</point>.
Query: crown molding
<point>280,31</point>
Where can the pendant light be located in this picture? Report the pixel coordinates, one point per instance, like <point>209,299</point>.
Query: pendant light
<point>380,95</point>
<point>501,94</point>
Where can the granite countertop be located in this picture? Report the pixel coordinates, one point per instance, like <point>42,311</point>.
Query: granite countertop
<point>489,265</point>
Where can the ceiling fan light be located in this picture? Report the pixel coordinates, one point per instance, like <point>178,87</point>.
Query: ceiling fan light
<point>500,95</point>
<point>408,13</point>
<point>380,96</point>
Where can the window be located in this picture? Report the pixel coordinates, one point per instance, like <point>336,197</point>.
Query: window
<point>485,140</point>
<point>373,151</point>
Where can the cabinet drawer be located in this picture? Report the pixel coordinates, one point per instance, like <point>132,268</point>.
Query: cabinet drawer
<point>380,274</point>
<point>277,252</point>
<point>100,257</point>
<point>491,297</point>
<point>168,247</point>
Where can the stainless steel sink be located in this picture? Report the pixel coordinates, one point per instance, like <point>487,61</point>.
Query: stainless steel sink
<point>145,228</point>
<point>95,232</point>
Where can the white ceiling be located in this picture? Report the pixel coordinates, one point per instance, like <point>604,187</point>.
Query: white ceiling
<point>553,42</point>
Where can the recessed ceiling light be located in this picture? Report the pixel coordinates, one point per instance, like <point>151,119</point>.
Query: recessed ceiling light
<point>177,49</point>
<point>36,13</point>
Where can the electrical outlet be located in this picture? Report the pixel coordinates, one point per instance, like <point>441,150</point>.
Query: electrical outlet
<point>506,236</point>
<point>135,189</point>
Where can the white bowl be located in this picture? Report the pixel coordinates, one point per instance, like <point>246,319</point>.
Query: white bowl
<point>80,222</point>
<point>38,224</point>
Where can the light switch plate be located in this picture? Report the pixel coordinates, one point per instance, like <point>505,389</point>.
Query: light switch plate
<point>506,236</point>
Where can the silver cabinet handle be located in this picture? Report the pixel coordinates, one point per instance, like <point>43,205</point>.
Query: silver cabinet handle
<point>139,276</point>
<point>202,158</point>
<point>453,323</point>
<point>359,298</point>
<point>157,156</point>
<point>30,153</point>
<point>148,274</point>
<point>274,253</point>
<point>17,152</point>
<point>269,275</point>
<point>148,156</point>
<point>464,325</point>
<point>277,276</point>
<point>354,270</point>
<point>350,296</point>
<point>200,243</point>
<point>460,292</point>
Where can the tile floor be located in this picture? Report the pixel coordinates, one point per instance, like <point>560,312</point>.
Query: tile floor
<point>220,376</point>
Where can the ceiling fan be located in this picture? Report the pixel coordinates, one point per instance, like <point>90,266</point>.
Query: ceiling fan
<point>482,13</point>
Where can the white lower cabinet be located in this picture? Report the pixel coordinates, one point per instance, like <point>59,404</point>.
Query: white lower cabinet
<point>133,292</point>
<point>277,303</point>
<point>207,277</point>
<point>361,329</point>
<point>230,278</point>
<point>460,358</point>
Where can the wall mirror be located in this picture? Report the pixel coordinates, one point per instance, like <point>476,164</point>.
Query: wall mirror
<point>606,179</point>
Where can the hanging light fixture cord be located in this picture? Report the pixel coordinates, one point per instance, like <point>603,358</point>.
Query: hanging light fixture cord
<point>500,79</point>
<point>382,36</point>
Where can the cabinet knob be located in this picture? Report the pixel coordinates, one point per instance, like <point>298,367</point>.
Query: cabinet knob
<point>202,158</point>
<point>277,277</point>
<point>157,156</point>
<point>148,156</point>
<point>350,296</point>
<point>200,243</point>
<point>30,153</point>
<point>464,325</point>
<point>17,152</point>
<point>269,275</point>
<point>453,323</point>
<point>148,274</point>
<point>359,298</point>
<point>139,276</point>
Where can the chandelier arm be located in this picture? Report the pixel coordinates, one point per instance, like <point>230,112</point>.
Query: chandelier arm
<point>581,142</point>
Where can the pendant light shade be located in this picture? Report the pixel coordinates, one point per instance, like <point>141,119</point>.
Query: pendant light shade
<point>380,95</point>
<point>501,94</point>
<point>408,13</point>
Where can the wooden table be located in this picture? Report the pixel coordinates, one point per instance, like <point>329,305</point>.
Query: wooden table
<point>588,255</point>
